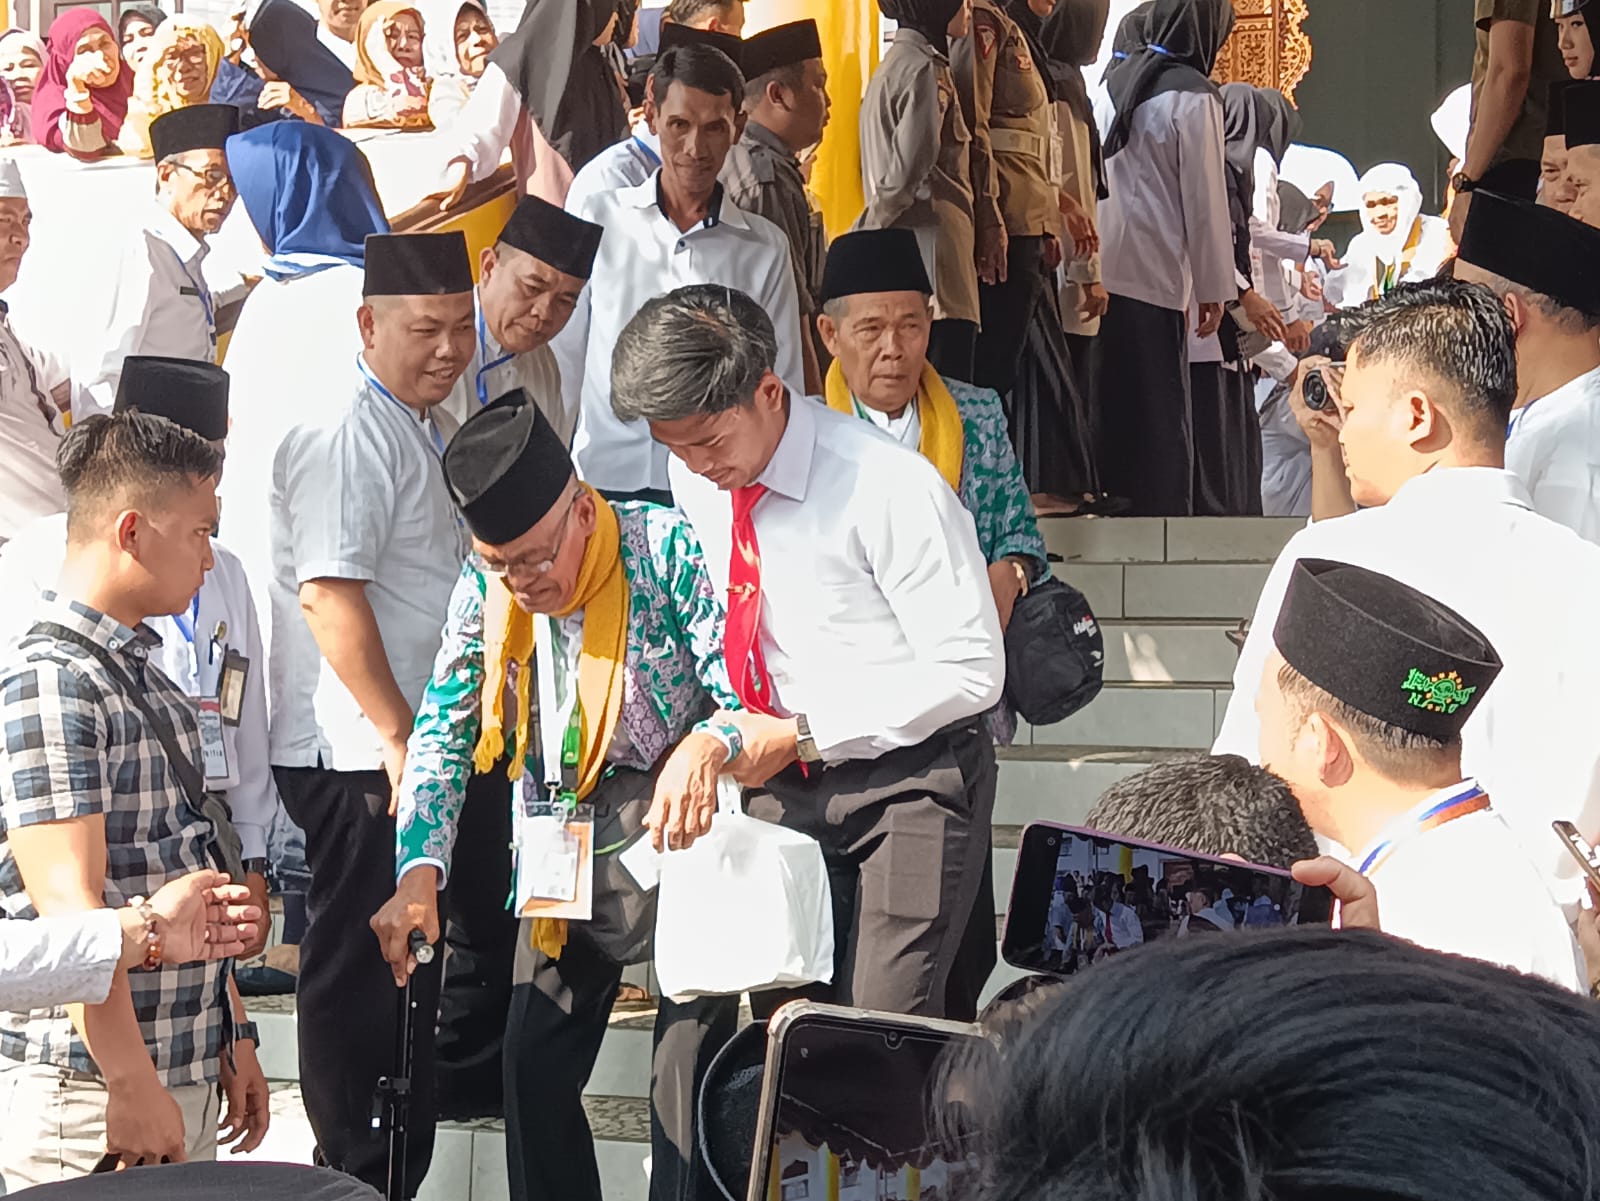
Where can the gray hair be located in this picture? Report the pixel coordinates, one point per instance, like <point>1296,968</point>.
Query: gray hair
<point>700,350</point>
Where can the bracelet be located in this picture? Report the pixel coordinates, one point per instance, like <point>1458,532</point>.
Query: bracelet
<point>1022,575</point>
<point>726,733</point>
<point>152,936</point>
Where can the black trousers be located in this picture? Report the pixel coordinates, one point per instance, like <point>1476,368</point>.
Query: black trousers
<point>1227,442</point>
<point>1005,311</point>
<point>346,997</point>
<point>952,345</point>
<point>1144,412</point>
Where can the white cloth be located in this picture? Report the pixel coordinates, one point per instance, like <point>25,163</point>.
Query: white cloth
<point>156,308</point>
<point>65,960</point>
<point>344,51</point>
<point>1272,250</point>
<point>357,494</point>
<point>1520,925</point>
<point>30,433</point>
<point>1469,538</point>
<point>1165,235</point>
<point>1311,168</point>
<point>483,129</point>
<point>1371,254</point>
<point>535,372</point>
<point>626,165</point>
<point>1452,121</point>
<point>644,255</point>
<point>1285,456</point>
<point>31,563</point>
<point>1554,448</point>
<point>877,621</point>
<point>1124,925</point>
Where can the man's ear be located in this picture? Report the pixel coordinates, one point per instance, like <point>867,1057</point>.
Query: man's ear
<point>829,329</point>
<point>487,262</point>
<point>1331,749</point>
<point>128,532</point>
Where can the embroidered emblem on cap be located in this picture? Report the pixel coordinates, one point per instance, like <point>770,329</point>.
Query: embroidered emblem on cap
<point>1443,693</point>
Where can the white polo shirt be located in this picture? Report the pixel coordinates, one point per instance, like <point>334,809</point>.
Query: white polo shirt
<point>492,373</point>
<point>626,165</point>
<point>358,494</point>
<point>644,255</point>
<point>30,433</point>
<point>1554,448</point>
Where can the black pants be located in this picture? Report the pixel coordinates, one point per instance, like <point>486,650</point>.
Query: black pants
<point>1227,442</point>
<point>1006,310</point>
<point>952,346</point>
<point>1144,412</point>
<point>346,998</point>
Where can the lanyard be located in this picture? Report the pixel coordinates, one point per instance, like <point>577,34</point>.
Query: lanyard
<point>650,155</point>
<point>433,430</point>
<point>1468,800</point>
<point>186,622</point>
<point>203,294</point>
<point>488,364</point>
<point>1516,418</point>
<point>558,755</point>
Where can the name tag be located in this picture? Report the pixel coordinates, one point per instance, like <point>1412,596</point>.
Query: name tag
<point>187,290</point>
<point>230,688</point>
<point>555,864</point>
<point>213,750</point>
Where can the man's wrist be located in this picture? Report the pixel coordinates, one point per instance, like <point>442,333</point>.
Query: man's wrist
<point>727,734</point>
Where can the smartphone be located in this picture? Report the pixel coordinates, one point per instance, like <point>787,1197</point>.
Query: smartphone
<point>1080,896</point>
<point>862,1104</point>
<point>1580,849</point>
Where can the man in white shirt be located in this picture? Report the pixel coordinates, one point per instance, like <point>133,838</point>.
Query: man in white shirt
<point>366,547</point>
<point>1541,263</point>
<point>211,650</point>
<point>860,624</point>
<point>1117,924</point>
<point>1362,704</point>
<point>1424,405</point>
<point>675,229</point>
<point>33,396</point>
<point>336,27</point>
<point>529,282</point>
<point>161,303</point>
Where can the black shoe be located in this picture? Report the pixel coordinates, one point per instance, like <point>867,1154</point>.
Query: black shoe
<point>264,981</point>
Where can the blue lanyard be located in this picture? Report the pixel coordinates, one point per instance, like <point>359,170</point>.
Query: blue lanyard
<point>187,623</point>
<point>433,430</point>
<point>204,295</point>
<point>489,365</point>
<point>1468,800</point>
<point>650,155</point>
<point>1516,418</point>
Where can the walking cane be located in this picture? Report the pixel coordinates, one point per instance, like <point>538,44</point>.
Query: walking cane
<point>391,1107</point>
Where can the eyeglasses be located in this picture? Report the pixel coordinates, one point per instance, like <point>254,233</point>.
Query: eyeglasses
<point>213,179</point>
<point>529,565</point>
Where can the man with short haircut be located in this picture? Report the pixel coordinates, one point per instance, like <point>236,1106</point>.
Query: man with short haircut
<point>1555,188</point>
<point>94,815</point>
<point>161,303</point>
<point>720,16</point>
<point>786,109</point>
<point>1581,112</point>
<point>1424,405</point>
<point>336,27</point>
<point>1543,267</point>
<point>1213,804</point>
<point>1362,702</point>
<point>862,636</point>
<point>529,282</point>
<point>366,548</point>
<point>676,228</point>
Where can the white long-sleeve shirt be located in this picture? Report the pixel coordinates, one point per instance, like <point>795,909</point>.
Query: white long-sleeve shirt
<point>31,427</point>
<point>70,959</point>
<point>644,255</point>
<point>1554,448</point>
<point>1469,538</point>
<point>877,621</point>
<point>1165,235</point>
<point>31,563</point>
<point>626,165</point>
<point>1270,247</point>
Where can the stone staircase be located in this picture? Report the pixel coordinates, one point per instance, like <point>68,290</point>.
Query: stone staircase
<point>1167,593</point>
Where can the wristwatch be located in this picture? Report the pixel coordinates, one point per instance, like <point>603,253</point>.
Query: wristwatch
<point>247,1030</point>
<point>805,746</point>
<point>254,867</point>
<point>1463,183</point>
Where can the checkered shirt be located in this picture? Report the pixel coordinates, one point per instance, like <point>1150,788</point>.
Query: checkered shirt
<point>74,747</point>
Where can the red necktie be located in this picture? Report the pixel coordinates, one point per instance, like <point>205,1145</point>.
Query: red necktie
<point>747,665</point>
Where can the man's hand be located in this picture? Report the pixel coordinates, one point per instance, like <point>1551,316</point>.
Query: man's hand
<point>143,1123</point>
<point>1322,248</point>
<point>1587,929</point>
<point>245,1122</point>
<point>1080,227</point>
<point>455,180</point>
<point>1358,899</point>
<point>1006,583</point>
<point>414,906</point>
<point>1096,300</point>
<point>1264,315</point>
<point>202,917</point>
<point>1311,286</point>
<point>1297,336</point>
<point>1321,426</point>
<point>770,745</point>
<point>991,255</point>
<point>257,884</point>
<point>686,793</point>
<point>1210,319</point>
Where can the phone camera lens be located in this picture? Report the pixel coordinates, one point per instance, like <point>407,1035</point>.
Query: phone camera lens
<point>1050,842</point>
<point>891,1039</point>
<point>805,1052</point>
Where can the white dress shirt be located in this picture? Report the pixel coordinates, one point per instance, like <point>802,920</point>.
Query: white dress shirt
<point>1165,235</point>
<point>1123,923</point>
<point>226,621</point>
<point>877,621</point>
<point>644,255</point>
<point>1516,923</point>
<point>160,304</point>
<point>1554,448</point>
<point>626,165</point>
<point>66,960</point>
<point>1270,247</point>
<point>492,373</point>
<point>1469,538</point>
<point>344,51</point>
<point>30,433</point>
<point>357,494</point>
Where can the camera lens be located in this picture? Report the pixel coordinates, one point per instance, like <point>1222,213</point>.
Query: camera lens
<point>1050,842</point>
<point>1315,390</point>
<point>891,1039</point>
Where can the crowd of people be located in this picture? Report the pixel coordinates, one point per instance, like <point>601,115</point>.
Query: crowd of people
<point>439,583</point>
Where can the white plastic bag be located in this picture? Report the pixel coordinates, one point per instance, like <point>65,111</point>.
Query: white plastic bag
<point>746,907</point>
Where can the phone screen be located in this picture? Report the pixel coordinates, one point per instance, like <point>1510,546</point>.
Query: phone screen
<point>1080,897</point>
<point>866,1109</point>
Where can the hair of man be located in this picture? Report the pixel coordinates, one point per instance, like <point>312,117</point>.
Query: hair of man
<point>1398,755</point>
<point>703,68</point>
<point>127,460</point>
<point>1570,323</point>
<point>697,351</point>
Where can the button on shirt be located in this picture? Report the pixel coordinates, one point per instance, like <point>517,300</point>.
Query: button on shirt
<point>357,495</point>
<point>1469,538</point>
<point>30,433</point>
<point>535,372</point>
<point>644,255</point>
<point>75,747</point>
<point>1554,448</point>
<point>877,621</point>
<point>160,304</point>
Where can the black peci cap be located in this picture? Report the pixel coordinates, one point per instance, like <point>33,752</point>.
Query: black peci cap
<point>417,265</point>
<point>197,127</point>
<point>506,468</point>
<point>1536,247</point>
<point>553,235</point>
<point>187,392</point>
<point>781,46</point>
<point>1580,107</point>
<point>874,260</point>
<point>674,35</point>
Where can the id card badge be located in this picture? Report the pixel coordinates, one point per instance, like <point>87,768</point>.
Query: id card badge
<point>555,863</point>
<point>230,687</point>
<point>213,750</point>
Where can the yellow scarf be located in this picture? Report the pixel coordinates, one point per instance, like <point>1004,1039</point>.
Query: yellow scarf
<point>942,442</point>
<point>602,594</point>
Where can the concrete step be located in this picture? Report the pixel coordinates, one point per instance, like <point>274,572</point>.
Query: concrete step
<point>1168,591</point>
<point>1165,716</point>
<point>1168,540</point>
<point>1169,652</point>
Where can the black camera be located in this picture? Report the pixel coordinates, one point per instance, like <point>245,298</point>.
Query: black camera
<point>1315,389</point>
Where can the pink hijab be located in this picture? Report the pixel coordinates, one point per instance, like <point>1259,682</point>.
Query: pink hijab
<point>49,96</point>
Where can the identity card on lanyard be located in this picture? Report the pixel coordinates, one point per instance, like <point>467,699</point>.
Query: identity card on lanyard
<point>555,834</point>
<point>213,746</point>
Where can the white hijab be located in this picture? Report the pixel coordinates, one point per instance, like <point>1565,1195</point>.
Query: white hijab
<point>1390,179</point>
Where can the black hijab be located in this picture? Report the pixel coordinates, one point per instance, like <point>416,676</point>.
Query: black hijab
<point>1131,34</point>
<point>930,18</point>
<point>1255,119</point>
<point>1067,41</point>
<point>1182,42</point>
<point>284,38</point>
<point>1295,211</point>
<point>564,80</point>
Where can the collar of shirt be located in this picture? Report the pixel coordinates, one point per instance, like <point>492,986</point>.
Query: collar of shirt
<point>758,133</point>
<point>163,225</point>
<point>789,470</point>
<point>1578,390</point>
<point>1404,827</point>
<point>911,37</point>
<point>1451,487</point>
<point>98,627</point>
<point>648,196</point>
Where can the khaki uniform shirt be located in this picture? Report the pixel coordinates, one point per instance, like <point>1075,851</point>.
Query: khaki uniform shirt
<point>915,149</point>
<point>1526,139</point>
<point>1008,105</point>
<point>1077,180</point>
<point>762,176</point>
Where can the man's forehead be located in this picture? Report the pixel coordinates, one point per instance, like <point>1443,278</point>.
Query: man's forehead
<point>14,207</point>
<point>865,305</point>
